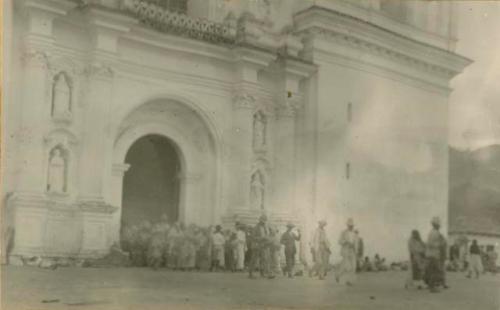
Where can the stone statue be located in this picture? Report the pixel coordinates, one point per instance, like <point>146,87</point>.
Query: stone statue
<point>61,100</point>
<point>57,173</point>
<point>259,131</point>
<point>257,191</point>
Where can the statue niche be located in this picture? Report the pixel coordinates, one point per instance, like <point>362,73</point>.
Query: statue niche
<point>259,131</point>
<point>257,191</point>
<point>57,171</point>
<point>61,97</point>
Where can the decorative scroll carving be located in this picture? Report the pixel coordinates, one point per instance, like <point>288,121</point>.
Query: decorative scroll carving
<point>243,100</point>
<point>289,106</point>
<point>36,58</point>
<point>98,70</point>
<point>163,20</point>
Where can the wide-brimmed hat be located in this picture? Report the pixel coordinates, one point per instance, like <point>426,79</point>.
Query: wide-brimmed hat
<point>322,222</point>
<point>290,225</point>
<point>350,222</point>
<point>436,221</point>
<point>263,217</point>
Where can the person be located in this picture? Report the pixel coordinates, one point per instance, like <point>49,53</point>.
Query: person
<point>416,248</point>
<point>218,243</point>
<point>321,249</point>
<point>348,243</point>
<point>360,251</point>
<point>379,263</point>
<point>240,246</point>
<point>174,240</point>
<point>229,258</point>
<point>455,256</point>
<point>288,240</point>
<point>163,227</point>
<point>188,249</point>
<point>156,248</point>
<point>475,264</point>
<point>275,250</point>
<point>202,253</point>
<point>367,264</point>
<point>261,249</point>
<point>436,256</point>
<point>492,260</point>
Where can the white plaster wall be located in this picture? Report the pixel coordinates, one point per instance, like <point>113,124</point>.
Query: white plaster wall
<point>397,148</point>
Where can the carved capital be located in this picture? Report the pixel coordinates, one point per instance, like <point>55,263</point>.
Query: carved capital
<point>36,59</point>
<point>120,169</point>
<point>289,106</point>
<point>99,70</point>
<point>243,100</point>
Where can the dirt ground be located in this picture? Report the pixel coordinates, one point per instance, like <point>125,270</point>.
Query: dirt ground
<point>141,288</point>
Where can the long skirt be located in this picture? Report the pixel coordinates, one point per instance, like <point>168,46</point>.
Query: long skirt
<point>218,256</point>
<point>417,267</point>
<point>434,273</point>
<point>240,256</point>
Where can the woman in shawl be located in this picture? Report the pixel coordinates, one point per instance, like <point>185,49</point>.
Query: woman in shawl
<point>416,247</point>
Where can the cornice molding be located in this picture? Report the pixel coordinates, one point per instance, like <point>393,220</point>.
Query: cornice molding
<point>363,36</point>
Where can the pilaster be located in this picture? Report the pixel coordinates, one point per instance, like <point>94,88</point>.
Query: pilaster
<point>248,64</point>
<point>106,29</point>
<point>38,42</point>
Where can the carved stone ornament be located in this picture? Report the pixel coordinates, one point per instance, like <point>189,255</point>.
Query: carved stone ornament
<point>99,70</point>
<point>163,20</point>
<point>36,58</point>
<point>242,100</point>
<point>61,136</point>
<point>288,107</point>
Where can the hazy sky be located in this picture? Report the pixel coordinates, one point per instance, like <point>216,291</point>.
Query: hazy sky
<point>475,102</point>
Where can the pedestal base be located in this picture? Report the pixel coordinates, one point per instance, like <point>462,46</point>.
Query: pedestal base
<point>43,227</point>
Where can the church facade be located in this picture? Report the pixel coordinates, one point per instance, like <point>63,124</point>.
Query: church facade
<point>218,111</point>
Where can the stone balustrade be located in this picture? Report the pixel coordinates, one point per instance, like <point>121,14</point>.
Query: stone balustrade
<point>164,20</point>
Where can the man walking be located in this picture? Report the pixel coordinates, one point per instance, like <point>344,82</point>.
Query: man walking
<point>288,240</point>
<point>348,242</point>
<point>475,264</point>
<point>321,249</point>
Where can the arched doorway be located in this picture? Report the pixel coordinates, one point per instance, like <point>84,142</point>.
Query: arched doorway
<point>151,186</point>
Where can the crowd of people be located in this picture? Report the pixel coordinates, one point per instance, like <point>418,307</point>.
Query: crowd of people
<point>264,250</point>
<point>428,260</point>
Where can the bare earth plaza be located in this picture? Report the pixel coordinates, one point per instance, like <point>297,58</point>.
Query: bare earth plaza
<point>250,154</point>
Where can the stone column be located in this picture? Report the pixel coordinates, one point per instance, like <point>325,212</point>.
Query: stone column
<point>119,171</point>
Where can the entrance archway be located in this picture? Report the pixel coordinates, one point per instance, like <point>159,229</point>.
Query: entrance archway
<point>151,187</point>
<point>189,133</point>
